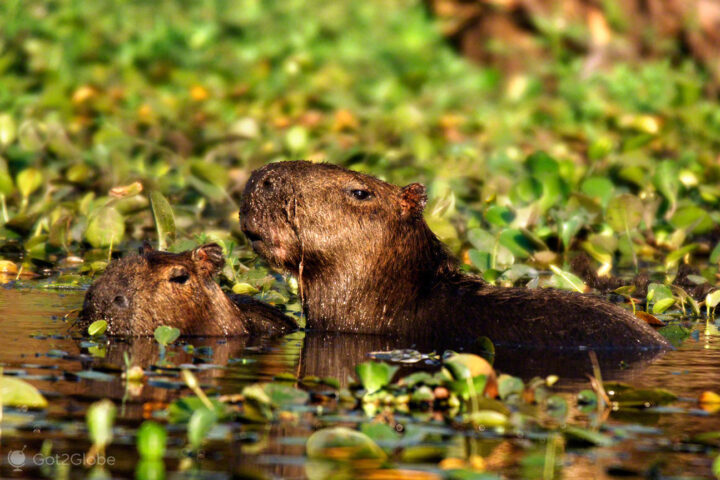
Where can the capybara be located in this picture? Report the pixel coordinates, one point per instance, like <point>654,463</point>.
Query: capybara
<point>138,293</point>
<point>367,262</point>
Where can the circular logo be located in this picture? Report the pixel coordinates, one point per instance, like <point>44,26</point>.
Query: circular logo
<point>16,458</point>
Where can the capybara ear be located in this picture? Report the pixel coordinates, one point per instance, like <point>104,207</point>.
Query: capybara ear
<point>146,248</point>
<point>209,258</point>
<point>413,199</point>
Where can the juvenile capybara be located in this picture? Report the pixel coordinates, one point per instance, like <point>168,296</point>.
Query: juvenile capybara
<point>367,262</point>
<point>138,293</point>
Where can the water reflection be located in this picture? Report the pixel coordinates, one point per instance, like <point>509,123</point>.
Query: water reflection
<point>37,344</point>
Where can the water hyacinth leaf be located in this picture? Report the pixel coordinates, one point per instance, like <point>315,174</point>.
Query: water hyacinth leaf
<point>692,219</point>
<point>342,443</point>
<point>661,305</point>
<point>31,136</point>
<point>711,300</point>
<point>584,436</point>
<point>98,327</point>
<point>258,406</point>
<point>715,254</point>
<point>165,335</point>
<point>243,288</point>
<point>675,334</point>
<point>151,440</point>
<point>7,187</point>
<point>466,365</point>
<point>600,188</point>
<point>164,219</point>
<point>105,228</point>
<point>381,433</point>
<point>676,255</point>
<point>212,173</point>
<point>587,397</point>
<point>658,291</point>
<point>557,407</point>
<point>182,409</point>
<point>541,165</point>
<point>569,228</point>
<point>8,130</point>
<point>516,242</point>
<point>375,375</point>
<point>284,395</point>
<point>509,385</point>
<point>486,418</point>
<point>624,212</point>
<point>500,216</point>
<point>28,181</point>
<point>565,280</point>
<point>100,417</point>
<point>666,182</point>
<point>627,395</point>
<point>201,422</point>
<point>526,191</point>
<point>18,393</point>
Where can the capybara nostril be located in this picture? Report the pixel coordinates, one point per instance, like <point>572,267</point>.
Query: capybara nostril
<point>121,301</point>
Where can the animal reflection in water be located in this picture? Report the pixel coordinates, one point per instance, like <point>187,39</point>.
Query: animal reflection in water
<point>230,363</point>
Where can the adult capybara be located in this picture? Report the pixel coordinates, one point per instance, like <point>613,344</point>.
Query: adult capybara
<point>138,293</point>
<point>367,262</point>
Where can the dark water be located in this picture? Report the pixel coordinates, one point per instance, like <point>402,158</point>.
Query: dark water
<point>38,345</point>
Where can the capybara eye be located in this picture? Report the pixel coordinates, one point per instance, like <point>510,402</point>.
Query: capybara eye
<point>360,194</point>
<point>179,276</point>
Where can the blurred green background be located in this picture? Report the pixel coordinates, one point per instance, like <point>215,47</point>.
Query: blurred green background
<point>540,131</point>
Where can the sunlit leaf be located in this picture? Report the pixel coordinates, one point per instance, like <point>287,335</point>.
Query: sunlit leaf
<point>165,335</point>
<point>375,375</point>
<point>15,392</point>
<point>164,219</point>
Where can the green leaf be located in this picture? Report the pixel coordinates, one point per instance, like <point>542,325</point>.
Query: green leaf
<point>382,433</point>
<point>106,227</point>
<point>344,443</point>
<point>375,375</point>
<point>7,187</point>
<point>662,305</point>
<point>200,424</point>
<point>282,395</point>
<point>692,219</point>
<point>566,280</point>
<point>624,212</point>
<point>675,334</point>
<point>28,181</point>
<point>8,130</point>
<point>151,440</point>
<point>676,255</point>
<point>165,335</point>
<point>98,327</point>
<point>598,187</point>
<point>508,385</point>
<point>516,242</point>
<point>182,409</point>
<point>15,392</point>
<point>100,417</point>
<point>499,215</point>
<point>628,396</point>
<point>164,219</point>
<point>584,436</point>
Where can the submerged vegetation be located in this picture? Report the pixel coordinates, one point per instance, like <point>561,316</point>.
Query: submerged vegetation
<point>122,122</point>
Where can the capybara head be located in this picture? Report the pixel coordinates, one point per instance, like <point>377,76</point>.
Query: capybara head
<point>320,215</point>
<point>141,292</point>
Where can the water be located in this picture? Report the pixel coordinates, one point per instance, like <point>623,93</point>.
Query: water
<point>39,345</point>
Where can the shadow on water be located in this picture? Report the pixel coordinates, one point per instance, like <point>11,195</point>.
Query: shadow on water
<point>38,345</point>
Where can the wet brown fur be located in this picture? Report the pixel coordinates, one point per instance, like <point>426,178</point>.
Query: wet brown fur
<point>138,293</point>
<point>370,264</point>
